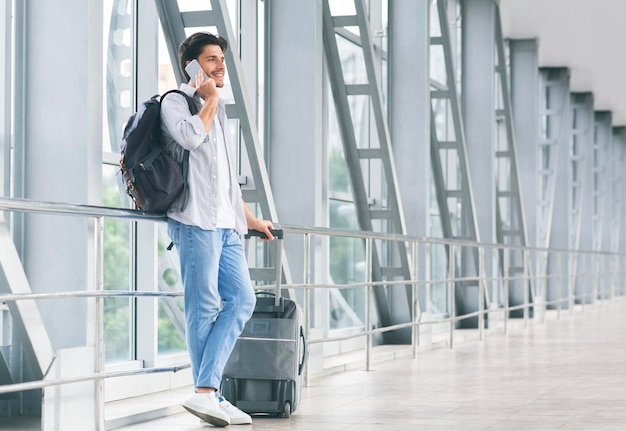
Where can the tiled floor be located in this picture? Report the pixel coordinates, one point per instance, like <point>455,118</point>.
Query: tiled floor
<point>567,374</point>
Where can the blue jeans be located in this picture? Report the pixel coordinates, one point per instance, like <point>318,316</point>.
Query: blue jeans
<point>213,268</point>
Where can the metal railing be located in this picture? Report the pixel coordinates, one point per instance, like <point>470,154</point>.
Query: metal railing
<point>561,300</point>
<point>500,285</point>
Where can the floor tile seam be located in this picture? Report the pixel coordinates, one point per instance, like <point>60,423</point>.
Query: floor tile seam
<point>536,419</point>
<point>580,419</point>
<point>589,410</point>
<point>517,410</point>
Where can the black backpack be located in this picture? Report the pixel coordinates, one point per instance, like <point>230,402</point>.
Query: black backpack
<point>153,178</point>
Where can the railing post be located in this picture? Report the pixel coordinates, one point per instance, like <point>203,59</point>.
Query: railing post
<point>368,299</point>
<point>481,293</point>
<point>559,276</point>
<point>595,274</point>
<point>415,311</point>
<point>602,278</point>
<point>571,281</point>
<point>613,276</point>
<point>451,277</point>
<point>307,299</point>
<point>588,281</point>
<point>582,267</point>
<point>526,294</point>
<point>542,274</point>
<point>507,289</point>
<point>601,286</point>
<point>606,275</point>
<point>622,277</point>
<point>577,277</point>
<point>99,321</point>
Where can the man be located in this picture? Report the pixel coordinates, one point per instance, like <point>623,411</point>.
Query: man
<point>207,229</point>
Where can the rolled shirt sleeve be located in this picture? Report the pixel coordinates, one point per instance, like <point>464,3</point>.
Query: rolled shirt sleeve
<point>178,125</point>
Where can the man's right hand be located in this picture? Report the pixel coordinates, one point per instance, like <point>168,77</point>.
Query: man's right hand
<point>206,87</point>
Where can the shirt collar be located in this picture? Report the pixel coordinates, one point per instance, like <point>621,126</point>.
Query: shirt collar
<point>188,89</point>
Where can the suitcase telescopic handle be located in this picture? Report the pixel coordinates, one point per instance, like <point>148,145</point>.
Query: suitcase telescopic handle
<point>278,233</point>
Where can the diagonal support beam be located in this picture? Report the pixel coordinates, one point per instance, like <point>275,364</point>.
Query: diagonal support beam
<point>25,314</point>
<point>390,260</point>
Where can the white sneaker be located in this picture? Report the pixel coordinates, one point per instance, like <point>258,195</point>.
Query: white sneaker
<point>237,417</point>
<point>206,407</point>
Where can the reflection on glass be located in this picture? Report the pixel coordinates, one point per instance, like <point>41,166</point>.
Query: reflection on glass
<point>118,61</point>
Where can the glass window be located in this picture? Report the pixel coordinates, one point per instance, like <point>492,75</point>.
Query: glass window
<point>171,321</point>
<point>352,62</point>
<point>346,255</point>
<point>118,72</point>
<point>118,312</point>
<point>347,265</point>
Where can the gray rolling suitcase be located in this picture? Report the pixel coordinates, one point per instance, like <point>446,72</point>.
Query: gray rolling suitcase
<point>264,372</point>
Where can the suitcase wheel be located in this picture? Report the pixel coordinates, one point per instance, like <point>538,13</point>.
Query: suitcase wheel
<point>286,410</point>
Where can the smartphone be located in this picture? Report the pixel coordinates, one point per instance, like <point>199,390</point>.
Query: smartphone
<point>192,70</point>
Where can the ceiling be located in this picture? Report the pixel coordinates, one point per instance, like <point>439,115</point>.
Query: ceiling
<point>587,36</point>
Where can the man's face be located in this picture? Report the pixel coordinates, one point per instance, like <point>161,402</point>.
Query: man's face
<point>212,62</point>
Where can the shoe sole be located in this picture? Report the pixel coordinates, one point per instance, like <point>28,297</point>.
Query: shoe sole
<point>218,422</point>
<point>240,422</point>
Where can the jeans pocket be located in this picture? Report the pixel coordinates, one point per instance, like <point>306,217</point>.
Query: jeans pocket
<point>231,237</point>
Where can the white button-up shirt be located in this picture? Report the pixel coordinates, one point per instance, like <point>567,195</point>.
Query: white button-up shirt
<point>214,197</point>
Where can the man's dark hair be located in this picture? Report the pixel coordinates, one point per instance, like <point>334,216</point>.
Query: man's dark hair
<point>193,46</point>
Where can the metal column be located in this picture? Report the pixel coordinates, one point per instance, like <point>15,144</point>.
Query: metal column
<point>510,214</point>
<point>601,195</point>
<point>478,106</point>
<point>409,112</point>
<point>294,116</point>
<point>6,97</point>
<point>617,203</point>
<point>552,175</point>
<point>622,217</point>
<point>524,66</point>
<point>580,198</point>
<point>617,206</point>
<point>448,151</point>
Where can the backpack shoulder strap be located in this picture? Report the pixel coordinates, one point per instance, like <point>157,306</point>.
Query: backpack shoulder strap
<point>190,102</point>
<point>193,108</point>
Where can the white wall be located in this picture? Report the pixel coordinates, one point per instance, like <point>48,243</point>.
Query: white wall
<point>585,35</point>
